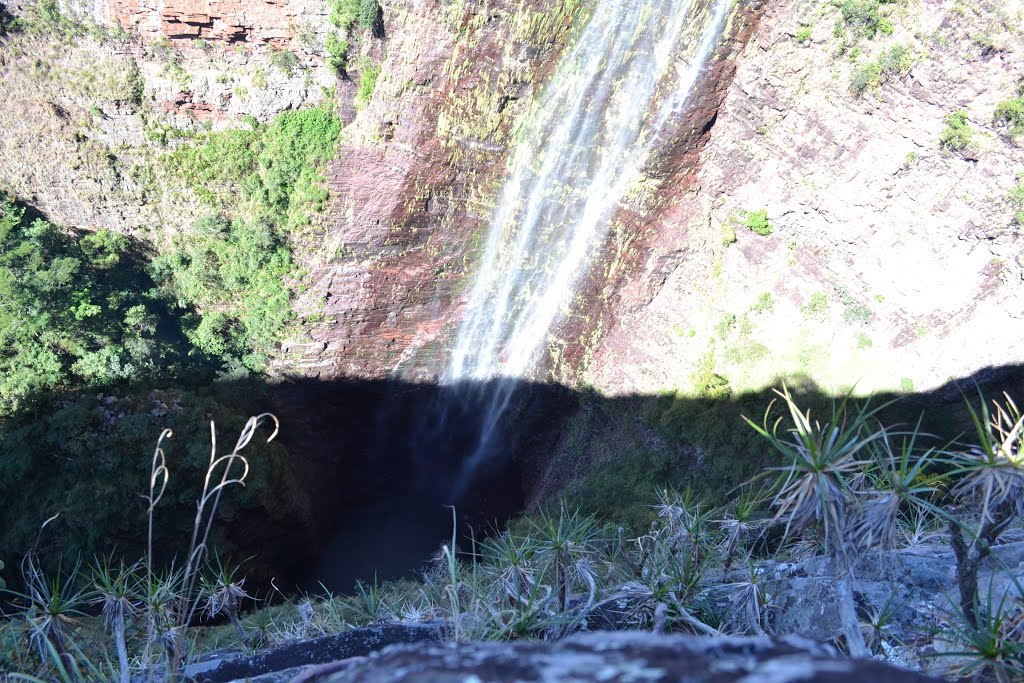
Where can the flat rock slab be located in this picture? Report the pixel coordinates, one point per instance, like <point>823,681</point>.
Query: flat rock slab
<point>291,656</point>
<point>612,657</point>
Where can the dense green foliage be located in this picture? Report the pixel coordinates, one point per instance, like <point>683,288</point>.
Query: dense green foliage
<point>76,311</point>
<point>261,184</point>
<point>285,60</point>
<point>337,53</point>
<point>865,17</point>
<point>1010,114</point>
<point>274,167</point>
<point>344,13</point>
<point>234,274</point>
<point>957,134</point>
<point>369,13</point>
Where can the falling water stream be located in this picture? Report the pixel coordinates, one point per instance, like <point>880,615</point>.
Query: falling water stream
<point>610,105</point>
<point>585,145</point>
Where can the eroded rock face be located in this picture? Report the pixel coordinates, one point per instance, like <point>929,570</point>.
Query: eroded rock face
<point>416,184</point>
<point>890,258</point>
<point>620,656</point>
<point>268,21</point>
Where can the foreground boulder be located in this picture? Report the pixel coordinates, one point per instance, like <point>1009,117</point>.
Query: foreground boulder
<point>282,663</point>
<point>612,656</point>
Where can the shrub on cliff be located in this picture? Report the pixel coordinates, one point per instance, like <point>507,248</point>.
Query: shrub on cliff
<point>285,60</point>
<point>263,183</point>
<point>958,132</point>
<point>337,53</point>
<point>896,61</point>
<point>865,17</point>
<point>369,14</point>
<point>1017,200</point>
<point>757,222</point>
<point>367,84</point>
<point>1010,115</point>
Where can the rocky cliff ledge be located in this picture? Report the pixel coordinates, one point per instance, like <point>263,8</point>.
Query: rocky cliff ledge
<point>600,656</point>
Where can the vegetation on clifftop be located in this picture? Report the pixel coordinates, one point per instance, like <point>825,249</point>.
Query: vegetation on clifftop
<point>842,484</point>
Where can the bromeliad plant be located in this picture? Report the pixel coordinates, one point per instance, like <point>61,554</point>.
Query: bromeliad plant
<point>991,647</point>
<point>224,593</point>
<point>53,607</point>
<point>116,592</point>
<point>815,490</point>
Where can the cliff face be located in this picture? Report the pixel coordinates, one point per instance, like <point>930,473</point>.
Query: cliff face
<point>89,115</point>
<point>274,22</point>
<point>892,263</point>
<point>887,261</point>
<point>415,180</point>
<point>884,246</point>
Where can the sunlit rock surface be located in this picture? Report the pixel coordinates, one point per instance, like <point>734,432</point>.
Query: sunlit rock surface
<point>912,251</point>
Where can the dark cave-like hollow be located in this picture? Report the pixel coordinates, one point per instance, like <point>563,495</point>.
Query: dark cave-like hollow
<point>379,458</point>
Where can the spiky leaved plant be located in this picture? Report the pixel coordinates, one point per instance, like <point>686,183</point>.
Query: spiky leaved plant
<point>990,474</point>
<point>878,625</point>
<point>674,558</point>
<point>991,648</point>
<point>899,482</point>
<point>162,606</point>
<point>511,560</point>
<point>749,600</point>
<point>813,490</point>
<point>739,522</point>
<point>115,590</point>
<point>53,606</point>
<point>224,591</point>
<point>368,603</point>
<point>565,543</point>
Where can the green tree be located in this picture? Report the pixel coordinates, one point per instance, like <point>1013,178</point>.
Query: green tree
<point>74,312</point>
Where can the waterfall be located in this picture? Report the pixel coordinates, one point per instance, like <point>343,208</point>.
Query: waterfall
<point>611,103</point>
<point>583,147</point>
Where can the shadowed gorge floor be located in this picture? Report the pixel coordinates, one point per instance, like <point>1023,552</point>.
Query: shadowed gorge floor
<point>369,491</point>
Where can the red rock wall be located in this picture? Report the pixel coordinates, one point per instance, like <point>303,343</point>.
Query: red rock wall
<point>412,187</point>
<point>270,21</point>
<point>413,198</point>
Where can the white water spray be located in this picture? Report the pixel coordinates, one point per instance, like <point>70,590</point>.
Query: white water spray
<point>631,69</point>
